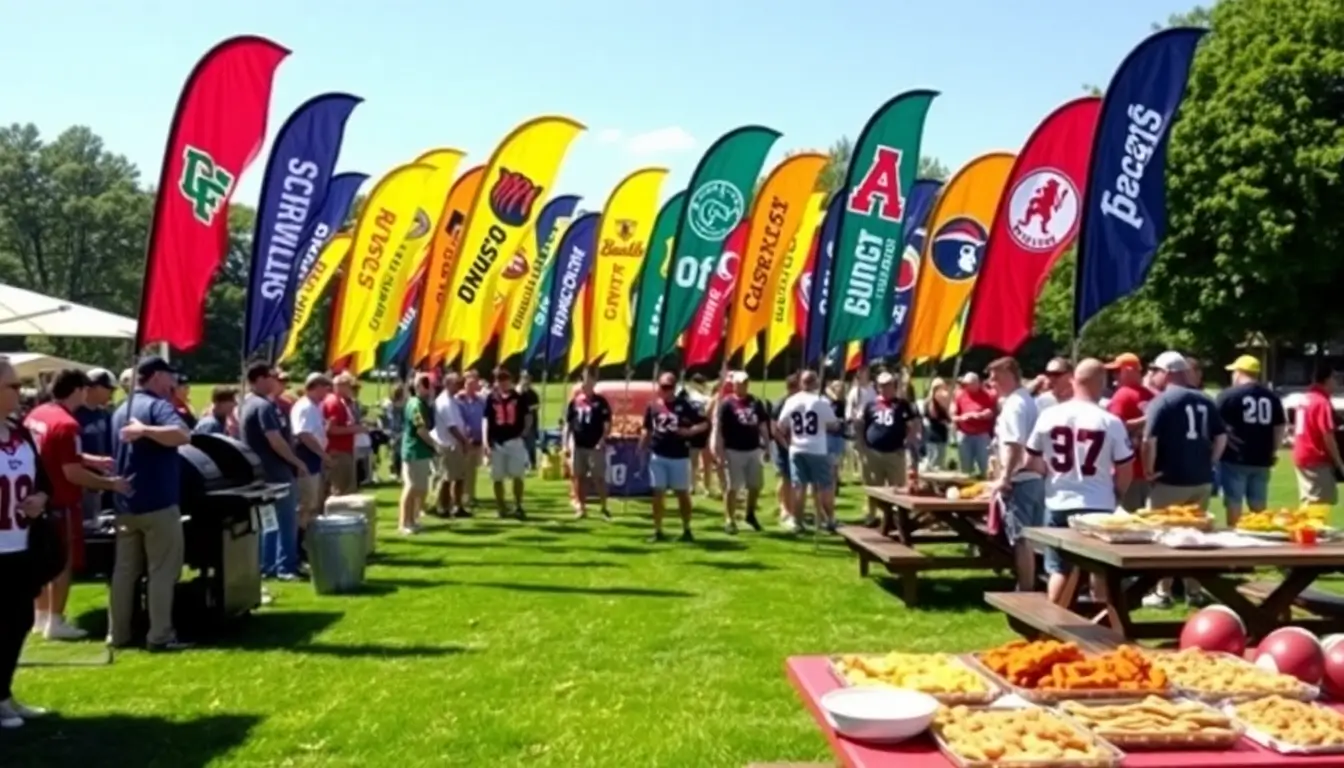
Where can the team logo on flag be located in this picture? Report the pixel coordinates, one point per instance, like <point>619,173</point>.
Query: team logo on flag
<point>909,271</point>
<point>803,289</point>
<point>958,247</point>
<point>420,225</point>
<point>625,228</point>
<point>204,184</point>
<point>512,197</point>
<point>1043,210</point>
<point>517,266</point>
<point>715,208</point>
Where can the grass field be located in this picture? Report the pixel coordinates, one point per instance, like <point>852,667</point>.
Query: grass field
<point>488,642</point>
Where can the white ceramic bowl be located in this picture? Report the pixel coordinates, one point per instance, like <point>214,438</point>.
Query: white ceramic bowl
<point>887,715</point>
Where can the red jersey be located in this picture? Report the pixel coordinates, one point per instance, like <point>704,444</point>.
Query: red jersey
<point>338,414</point>
<point>56,433</point>
<point>1128,403</point>
<point>974,402</point>
<point>1315,420</point>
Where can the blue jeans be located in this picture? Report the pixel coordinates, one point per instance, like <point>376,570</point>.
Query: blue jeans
<point>669,474</point>
<point>1024,507</point>
<point>1059,518</point>
<point>973,455</point>
<point>280,549</point>
<point>1244,486</point>
<point>811,469</point>
<point>781,458</point>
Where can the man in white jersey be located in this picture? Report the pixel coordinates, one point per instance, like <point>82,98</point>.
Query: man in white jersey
<point>807,418</point>
<point>1086,457</point>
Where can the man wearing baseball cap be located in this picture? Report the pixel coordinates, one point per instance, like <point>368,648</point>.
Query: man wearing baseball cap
<point>1255,427</point>
<point>741,443</point>
<point>1130,405</point>
<point>95,430</point>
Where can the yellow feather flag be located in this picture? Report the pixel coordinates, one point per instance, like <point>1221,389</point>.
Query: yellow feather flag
<point>326,264</point>
<point>578,347</point>
<point>510,280</point>
<point>752,348</point>
<point>395,279</point>
<point>953,346</point>
<point>522,304</point>
<point>517,177</point>
<point>623,233</point>
<point>775,218</point>
<point>431,335</point>
<point>959,225</point>
<point>782,324</point>
<point>382,228</point>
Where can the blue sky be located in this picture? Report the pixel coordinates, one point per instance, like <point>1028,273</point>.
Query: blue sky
<point>654,82</point>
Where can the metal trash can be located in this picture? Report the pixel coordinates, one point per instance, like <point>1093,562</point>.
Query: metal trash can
<point>358,504</point>
<point>337,553</point>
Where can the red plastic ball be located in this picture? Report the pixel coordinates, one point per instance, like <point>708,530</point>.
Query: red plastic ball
<point>1293,651</point>
<point>1215,629</point>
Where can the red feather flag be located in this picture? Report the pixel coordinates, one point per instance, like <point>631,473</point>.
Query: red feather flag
<point>706,332</point>
<point>217,132</point>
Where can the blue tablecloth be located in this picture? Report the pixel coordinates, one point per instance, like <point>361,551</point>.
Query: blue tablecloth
<point>627,469</point>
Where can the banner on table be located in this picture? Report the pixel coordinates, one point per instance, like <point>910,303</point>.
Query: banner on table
<point>888,343</point>
<point>325,266</point>
<point>432,334</point>
<point>574,261</point>
<point>705,335</point>
<point>627,470</point>
<point>382,228</point>
<point>622,243</point>
<point>718,198</point>
<point>775,217</point>
<point>953,252</point>
<point>217,130</point>
<point>872,222</point>
<point>522,303</point>
<point>815,292</point>
<point>1036,221</point>
<point>519,174</point>
<point>298,174</point>
<point>330,218</point>
<point>652,291</point>
<point>394,352</point>
<point>783,323</point>
<point>1125,213</point>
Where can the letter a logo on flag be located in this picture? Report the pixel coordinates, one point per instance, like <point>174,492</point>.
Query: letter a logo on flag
<point>882,181</point>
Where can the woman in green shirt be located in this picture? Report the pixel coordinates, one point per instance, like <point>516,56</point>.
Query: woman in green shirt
<point>417,453</point>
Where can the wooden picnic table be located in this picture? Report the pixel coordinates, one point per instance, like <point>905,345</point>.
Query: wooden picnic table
<point>909,521</point>
<point>812,678</point>
<point>1129,571</point>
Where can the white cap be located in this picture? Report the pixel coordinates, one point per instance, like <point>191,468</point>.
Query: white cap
<point>1171,362</point>
<point>970,378</point>
<point>739,377</point>
<point>885,378</point>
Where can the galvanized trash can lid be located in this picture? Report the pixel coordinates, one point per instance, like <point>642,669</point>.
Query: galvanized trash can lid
<point>341,521</point>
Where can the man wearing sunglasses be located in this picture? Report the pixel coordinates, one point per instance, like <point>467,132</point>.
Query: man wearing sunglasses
<point>670,421</point>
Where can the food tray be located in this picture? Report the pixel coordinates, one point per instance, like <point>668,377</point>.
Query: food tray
<point>1279,745</point>
<point>1111,756</point>
<point>992,688</point>
<point>1303,692</point>
<point>1172,741</point>
<point>1117,535</point>
<point>1055,695</point>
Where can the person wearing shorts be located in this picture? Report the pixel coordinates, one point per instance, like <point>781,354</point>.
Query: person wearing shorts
<point>418,450</point>
<point>890,425</point>
<point>807,418</point>
<point>342,426</point>
<point>451,435</point>
<point>310,445</point>
<point>587,427</point>
<point>505,420</point>
<point>669,423</point>
<point>741,437</point>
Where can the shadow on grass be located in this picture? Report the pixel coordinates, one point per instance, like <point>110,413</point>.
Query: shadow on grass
<point>453,543</point>
<point>534,538</point>
<point>401,561</point>
<point>949,594</point>
<point>731,565</point>
<point>538,564</point>
<point>720,545</point>
<point>294,631</point>
<point>124,741</point>
<point>560,589</point>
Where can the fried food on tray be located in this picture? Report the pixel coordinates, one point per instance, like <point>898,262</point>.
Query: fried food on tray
<point>1013,734</point>
<point>932,673</point>
<point>1052,665</point>
<point>1175,516</point>
<point>1151,716</point>
<point>1285,520</point>
<point>1204,672</point>
<point>1294,722</point>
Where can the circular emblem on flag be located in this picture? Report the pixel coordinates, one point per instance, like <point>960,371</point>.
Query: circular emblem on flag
<point>1043,210</point>
<point>803,289</point>
<point>727,270</point>
<point>419,225</point>
<point>517,266</point>
<point>909,269</point>
<point>957,248</point>
<point>715,208</point>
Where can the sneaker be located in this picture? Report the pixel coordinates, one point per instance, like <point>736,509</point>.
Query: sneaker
<point>292,576</point>
<point>686,537</point>
<point>57,629</point>
<point>503,514</point>
<point>171,646</point>
<point>730,528</point>
<point>580,514</point>
<point>519,514</point>
<point>1199,599</point>
<point>750,519</point>
<point>658,537</point>
<point>408,530</point>
<point>13,707</point>
<point>788,524</point>
<point>606,514</point>
<point>40,622</point>
<point>1156,600</point>
<point>9,717</point>
<point>830,527</point>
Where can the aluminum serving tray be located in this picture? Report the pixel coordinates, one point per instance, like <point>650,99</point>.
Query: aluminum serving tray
<point>991,693</point>
<point>1111,756</point>
<point>1279,745</point>
<point>1146,740</point>
<point>1050,696</point>
<point>1302,691</point>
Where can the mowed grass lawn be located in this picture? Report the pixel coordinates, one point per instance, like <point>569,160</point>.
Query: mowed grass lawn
<point>486,642</point>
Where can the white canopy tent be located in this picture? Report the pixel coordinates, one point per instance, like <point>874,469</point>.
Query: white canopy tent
<point>30,365</point>
<point>26,313</point>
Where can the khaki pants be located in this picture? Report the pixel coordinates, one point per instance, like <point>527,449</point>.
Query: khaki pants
<point>1136,496</point>
<point>1161,495</point>
<point>884,469</point>
<point>341,479</point>
<point>1316,485</point>
<point>473,469</point>
<point>310,498</point>
<point>149,543</point>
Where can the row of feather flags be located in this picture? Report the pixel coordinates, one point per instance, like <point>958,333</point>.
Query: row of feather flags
<point>443,260</point>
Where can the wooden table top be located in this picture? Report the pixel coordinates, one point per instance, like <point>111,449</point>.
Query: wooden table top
<point>899,498</point>
<point>1143,557</point>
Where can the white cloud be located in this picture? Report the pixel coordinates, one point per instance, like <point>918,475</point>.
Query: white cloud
<point>662,140</point>
<point>609,135</point>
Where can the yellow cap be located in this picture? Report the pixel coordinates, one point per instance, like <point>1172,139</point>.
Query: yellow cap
<point>1246,364</point>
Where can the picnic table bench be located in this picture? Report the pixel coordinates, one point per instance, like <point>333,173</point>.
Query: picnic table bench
<point>907,523</point>
<point>1129,571</point>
